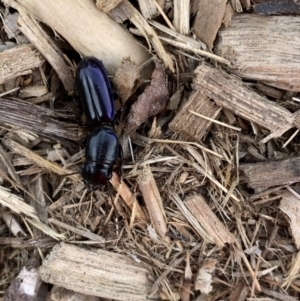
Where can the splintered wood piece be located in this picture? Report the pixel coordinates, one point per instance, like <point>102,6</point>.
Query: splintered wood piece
<point>128,198</point>
<point>38,160</point>
<point>182,16</point>
<point>54,55</point>
<point>83,17</point>
<point>197,205</point>
<point>263,49</point>
<point>272,173</point>
<point>230,93</point>
<point>63,294</point>
<point>19,60</point>
<point>290,205</point>
<point>153,202</point>
<point>190,126</point>
<point>96,272</point>
<point>208,20</point>
<point>37,119</point>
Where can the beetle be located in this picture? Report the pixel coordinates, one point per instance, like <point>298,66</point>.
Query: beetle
<point>95,92</point>
<point>102,148</point>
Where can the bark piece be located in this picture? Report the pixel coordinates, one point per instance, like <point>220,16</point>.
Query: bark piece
<point>27,286</point>
<point>19,60</point>
<point>200,210</point>
<point>84,18</point>
<point>230,93</point>
<point>152,101</point>
<point>277,8</point>
<point>208,20</point>
<point>272,173</point>
<point>96,272</point>
<point>54,55</point>
<point>290,206</point>
<point>189,126</point>
<point>42,121</point>
<point>153,202</point>
<point>263,49</point>
<point>126,79</point>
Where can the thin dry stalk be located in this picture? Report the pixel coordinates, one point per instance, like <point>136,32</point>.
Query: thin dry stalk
<point>153,202</point>
<point>181,19</point>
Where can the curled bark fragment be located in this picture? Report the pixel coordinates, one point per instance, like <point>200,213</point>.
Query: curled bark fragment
<point>152,101</point>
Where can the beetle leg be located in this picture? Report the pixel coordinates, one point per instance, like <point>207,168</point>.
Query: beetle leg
<point>119,167</point>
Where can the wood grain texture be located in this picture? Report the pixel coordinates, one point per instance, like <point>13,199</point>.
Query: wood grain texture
<point>96,272</point>
<point>189,126</point>
<point>272,173</point>
<point>263,48</point>
<point>87,29</point>
<point>230,93</point>
<point>19,60</point>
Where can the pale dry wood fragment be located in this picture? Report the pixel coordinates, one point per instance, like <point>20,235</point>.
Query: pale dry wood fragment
<point>236,5</point>
<point>153,202</point>
<point>149,33</point>
<point>264,49</point>
<point>38,160</point>
<point>35,118</point>
<point>271,173</point>
<point>27,286</point>
<point>54,55</point>
<point>208,20</point>
<point>12,224</point>
<point>290,205</point>
<point>32,91</point>
<point>181,19</point>
<point>106,6</point>
<point>81,232</point>
<point>231,94</point>
<point>6,164</point>
<point>189,126</point>
<point>200,210</point>
<point>228,15</point>
<point>19,60</point>
<point>203,279</point>
<point>63,294</point>
<point>293,272</point>
<point>16,203</point>
<point>148,8</point>
<point>96,272</point>
<point>128,198</point>
<point>96,33</point>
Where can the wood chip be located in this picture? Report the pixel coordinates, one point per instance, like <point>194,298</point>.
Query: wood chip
<point>96,272</point>
<point>203,279</point>
<point>189,126</point>
<point>107,6</point>
<point>19,60</point>
<point>182,12</point>
<point>272,173</point>
<point>153,202</point>
<point>230,93</point>
<point>263,48</point>
<point>201,211</point>
<point>208,20</point>
<point>290,205</point>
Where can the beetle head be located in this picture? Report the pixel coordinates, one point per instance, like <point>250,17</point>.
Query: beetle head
<point>96,174</point>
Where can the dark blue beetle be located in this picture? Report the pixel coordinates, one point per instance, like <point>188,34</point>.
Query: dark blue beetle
<point>102,148</point>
